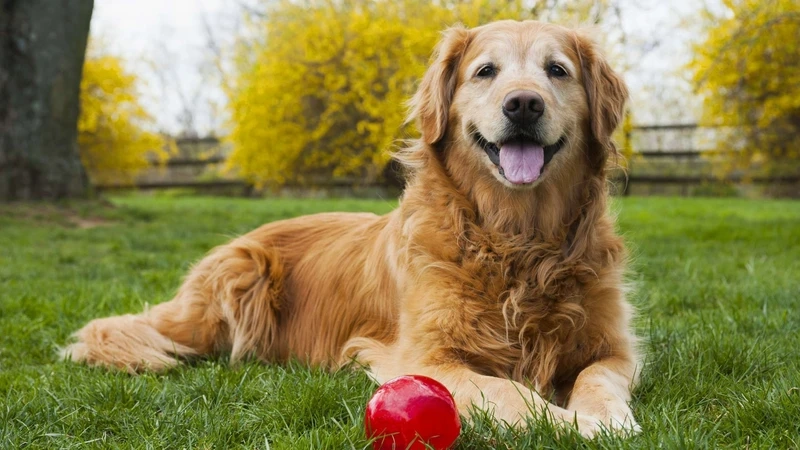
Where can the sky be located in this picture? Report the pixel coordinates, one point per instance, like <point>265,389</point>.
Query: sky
<point>166,43</point>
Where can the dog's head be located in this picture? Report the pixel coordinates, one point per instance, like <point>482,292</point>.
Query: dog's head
<point>520,100</point>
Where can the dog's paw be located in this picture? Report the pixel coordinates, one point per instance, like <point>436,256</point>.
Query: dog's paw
<point>588,426</point>
<point>623,425</point>
<point>615,417</point>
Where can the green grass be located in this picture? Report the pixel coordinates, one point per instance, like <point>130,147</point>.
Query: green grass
<point>718,291</point>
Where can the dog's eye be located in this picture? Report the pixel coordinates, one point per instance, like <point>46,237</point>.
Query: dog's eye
<point>556,71</point>
<point>486,71</point>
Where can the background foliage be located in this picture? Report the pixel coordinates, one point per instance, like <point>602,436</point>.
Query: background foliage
<point>113,127</point>
<point>748,70</point>
<point>321,85</point>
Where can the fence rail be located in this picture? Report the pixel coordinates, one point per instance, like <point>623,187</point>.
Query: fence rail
<point>151,185</point>
<point>668,126</point>
<point>670,179</point>
<point>183,162</point>
<point>679,154</point>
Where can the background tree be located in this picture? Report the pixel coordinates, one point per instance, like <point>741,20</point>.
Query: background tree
<point>320,85</point>
<point>114,138</point>
<point>748,70</point>
<point>42,45</point>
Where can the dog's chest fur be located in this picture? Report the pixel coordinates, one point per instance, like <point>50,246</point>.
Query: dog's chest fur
<point>520,312</point>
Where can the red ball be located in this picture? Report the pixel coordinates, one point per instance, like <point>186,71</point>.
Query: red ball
<point>411,411</point>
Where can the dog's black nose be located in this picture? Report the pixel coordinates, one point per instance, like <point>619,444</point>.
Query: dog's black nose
<point>523,107</point>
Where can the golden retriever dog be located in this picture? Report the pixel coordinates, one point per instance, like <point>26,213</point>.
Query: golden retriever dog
<point>499,274</point>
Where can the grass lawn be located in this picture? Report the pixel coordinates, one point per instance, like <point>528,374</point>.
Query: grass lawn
<point>718,291</point>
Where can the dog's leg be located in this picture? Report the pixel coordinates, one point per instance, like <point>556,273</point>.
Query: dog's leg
<point>602,390</point>
<point>229,301</point>
<point>506,400</point>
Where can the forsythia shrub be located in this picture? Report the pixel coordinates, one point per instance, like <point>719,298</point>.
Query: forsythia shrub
<point>748,70</point>
<point>321,92</point>
<point>112,127</point>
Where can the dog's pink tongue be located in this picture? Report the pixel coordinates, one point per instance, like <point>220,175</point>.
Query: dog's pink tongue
<point>521,161</point>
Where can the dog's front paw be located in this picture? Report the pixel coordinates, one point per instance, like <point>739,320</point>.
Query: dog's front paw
<point>516,411</point>
<point>624,425</point>
<point>588,426</point>
<point>615,417</point>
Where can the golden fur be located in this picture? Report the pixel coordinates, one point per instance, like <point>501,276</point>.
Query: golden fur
<point>507,294</point>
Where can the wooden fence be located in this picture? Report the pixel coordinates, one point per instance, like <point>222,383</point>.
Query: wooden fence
<point>675,159</point>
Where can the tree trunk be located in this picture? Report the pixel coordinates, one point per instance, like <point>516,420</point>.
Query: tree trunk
<point>42,47</point>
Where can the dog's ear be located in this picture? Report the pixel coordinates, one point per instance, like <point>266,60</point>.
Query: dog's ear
<point>606,93</point>
<point>431,103</point>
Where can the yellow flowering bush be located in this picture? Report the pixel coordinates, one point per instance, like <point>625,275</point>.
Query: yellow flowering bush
<point>321,92</point>
<point>748,71</point>
<point>113,134</point>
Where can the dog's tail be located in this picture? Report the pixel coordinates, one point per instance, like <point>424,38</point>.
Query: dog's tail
<point>229,302</point>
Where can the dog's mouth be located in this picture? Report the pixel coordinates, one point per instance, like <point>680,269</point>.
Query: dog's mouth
<point>520,159</point>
